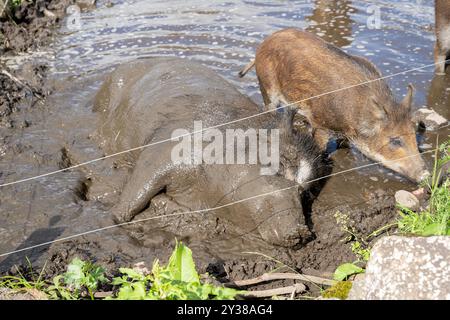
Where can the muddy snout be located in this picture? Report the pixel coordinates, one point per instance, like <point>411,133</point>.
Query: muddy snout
<point>414,169</point>
<point>422,175</point>
<point>279,218</point>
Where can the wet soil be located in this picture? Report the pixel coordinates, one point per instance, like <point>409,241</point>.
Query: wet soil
<point>26,28</point>
<point>38,135</point>
<point>31,24</point>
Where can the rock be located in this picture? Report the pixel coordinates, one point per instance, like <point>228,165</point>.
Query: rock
<point>49,14</point>
<point>419,193</point>
<point>410,268</point>
<point>141,268</point>
<point>430,118</point>
<point>86,4</point>
<point>358,290</point>
<point>407,199</point>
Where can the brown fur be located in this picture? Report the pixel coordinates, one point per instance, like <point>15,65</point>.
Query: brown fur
<point>294,65</point>
<point>442,47</point>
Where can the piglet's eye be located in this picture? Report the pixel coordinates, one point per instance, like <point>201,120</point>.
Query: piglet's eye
<point>396,142</point>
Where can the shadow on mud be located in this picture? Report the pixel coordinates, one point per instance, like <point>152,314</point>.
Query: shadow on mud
<point>39,236</point>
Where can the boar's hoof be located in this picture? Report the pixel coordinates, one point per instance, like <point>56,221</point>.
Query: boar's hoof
<point>121,214</point>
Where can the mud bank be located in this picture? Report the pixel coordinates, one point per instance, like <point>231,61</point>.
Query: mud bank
<point>25,27</point>
<point>37,132</point>
<point>30,25</point>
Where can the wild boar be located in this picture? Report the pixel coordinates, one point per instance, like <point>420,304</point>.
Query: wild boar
<point>442,28</point>
<point>147,100</point>
<point>293,65</point>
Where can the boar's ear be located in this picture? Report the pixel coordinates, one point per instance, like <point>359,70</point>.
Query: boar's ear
<point>408,99</point>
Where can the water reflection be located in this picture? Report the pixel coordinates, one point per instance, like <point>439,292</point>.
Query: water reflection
<point>331,20</point>
<point>438,97</point>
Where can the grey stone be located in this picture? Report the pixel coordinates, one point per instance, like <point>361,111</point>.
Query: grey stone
<point>430,118</point>
<point>409,268</point>
<point>358,287</point>
<point>407,199</point>
<point>86,4</point>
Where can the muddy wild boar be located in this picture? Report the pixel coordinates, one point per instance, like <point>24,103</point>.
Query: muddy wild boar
<point>147,100</point>
<point>442,28</point>
<point>294,65</point>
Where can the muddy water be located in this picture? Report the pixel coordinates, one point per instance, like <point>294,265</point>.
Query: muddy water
<point>224,36</point>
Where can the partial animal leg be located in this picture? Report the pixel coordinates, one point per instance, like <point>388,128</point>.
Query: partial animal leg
<point>275,101</point>
<point>269,88</point>
<point>440,57</point>
<point>150,176</point>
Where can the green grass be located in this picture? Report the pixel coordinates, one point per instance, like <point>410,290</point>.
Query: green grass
<point>178,280</point>
<point>15,3</point>
<point>20,282</point>
<point>12,4</point>
<point>435,219</point>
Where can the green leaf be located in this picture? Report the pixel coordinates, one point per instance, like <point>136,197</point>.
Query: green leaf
<point>345,270</point>
<point>132,291</point>
<point>181,265</point>
<point>178,280</point>
<point>132,274</point>
<point>74,275</point>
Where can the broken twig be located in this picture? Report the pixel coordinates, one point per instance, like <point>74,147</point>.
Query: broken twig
<point>283,276</point>
<point>296,288</point>
<point>2,10</point>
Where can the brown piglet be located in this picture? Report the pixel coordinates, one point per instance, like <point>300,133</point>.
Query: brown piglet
<point>339,94</point>
<point>442,47</point>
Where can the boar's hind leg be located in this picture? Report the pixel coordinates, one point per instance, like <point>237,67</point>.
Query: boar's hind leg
<point>440,57</point>
<point>149,178</point>
<point>273,99</point>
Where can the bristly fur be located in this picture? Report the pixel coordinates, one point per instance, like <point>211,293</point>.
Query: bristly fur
<point>298,148</point>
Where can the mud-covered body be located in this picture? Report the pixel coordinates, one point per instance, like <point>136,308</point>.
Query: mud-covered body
<point>442,28</point>
<point>145,101</point>
<point>338,94</point>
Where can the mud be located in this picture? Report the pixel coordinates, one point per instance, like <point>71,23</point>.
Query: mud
<point>26,28</point>
<point>31,25</point>
<point>38,133</point>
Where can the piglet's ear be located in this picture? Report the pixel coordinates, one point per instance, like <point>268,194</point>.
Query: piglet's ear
<point>408,99</point>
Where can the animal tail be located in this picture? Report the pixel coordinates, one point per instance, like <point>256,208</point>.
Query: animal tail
<point>247,68</point>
